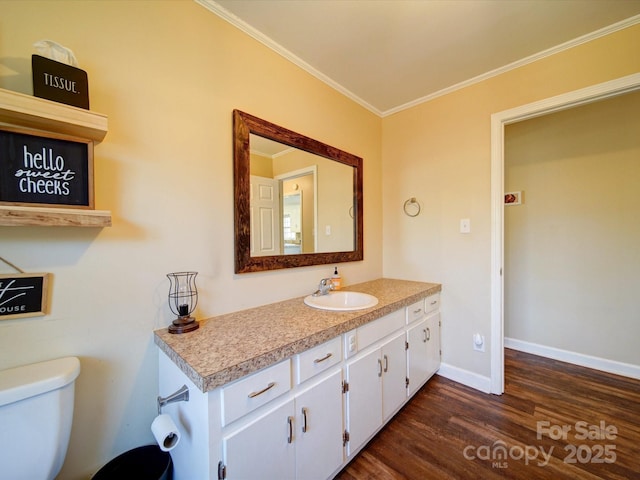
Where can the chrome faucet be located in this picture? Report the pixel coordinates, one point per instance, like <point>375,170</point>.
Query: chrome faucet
<point>324,288</point>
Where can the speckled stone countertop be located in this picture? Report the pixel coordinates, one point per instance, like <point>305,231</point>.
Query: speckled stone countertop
<point>230,346</point>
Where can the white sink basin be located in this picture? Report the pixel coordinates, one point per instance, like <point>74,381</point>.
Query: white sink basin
<point>342,301</point>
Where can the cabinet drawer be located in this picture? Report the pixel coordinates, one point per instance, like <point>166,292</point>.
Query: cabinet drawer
<point>318,359</point>
<point>249,393</point>
<point>380,328</point>
<point>415,311</point>
<point>432,303</point>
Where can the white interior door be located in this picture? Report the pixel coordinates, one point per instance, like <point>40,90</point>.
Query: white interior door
<point>264,205</point>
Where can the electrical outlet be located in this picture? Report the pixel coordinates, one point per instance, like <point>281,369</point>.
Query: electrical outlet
<point>478,342</point>
<point>350,344</point>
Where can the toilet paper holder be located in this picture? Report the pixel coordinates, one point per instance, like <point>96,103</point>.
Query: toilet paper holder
<point>181,395</point>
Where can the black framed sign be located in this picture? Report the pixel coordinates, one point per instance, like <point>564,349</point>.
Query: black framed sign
<point>59,82</point>
<point>45,170</point>
<point>23,295</point>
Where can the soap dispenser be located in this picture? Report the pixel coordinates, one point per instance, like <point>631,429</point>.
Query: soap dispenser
<point>336,280</point>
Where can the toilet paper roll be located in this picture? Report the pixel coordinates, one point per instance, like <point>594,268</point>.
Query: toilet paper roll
<point>165,432</point>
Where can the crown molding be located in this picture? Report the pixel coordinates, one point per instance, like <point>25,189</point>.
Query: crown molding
<point>223,13</point>
<point>279,49</point>
<point>519,63</point>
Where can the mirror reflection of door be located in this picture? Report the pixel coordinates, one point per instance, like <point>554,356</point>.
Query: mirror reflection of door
<point>264,206</point>
<point>327,192</point>
<point>292,222</point>
<point>300,184</point>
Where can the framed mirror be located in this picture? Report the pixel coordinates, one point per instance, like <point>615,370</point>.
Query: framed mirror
<point>298,201</point>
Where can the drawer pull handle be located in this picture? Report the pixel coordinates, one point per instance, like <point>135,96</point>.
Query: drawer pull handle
<point>268,387</point>
<point>326,357</point>
<point>305,427</point>
<point>386,364</point>
<point>379,367</point>
<point>433,302</point>
<point>290,423</point>
<point>416,312</point>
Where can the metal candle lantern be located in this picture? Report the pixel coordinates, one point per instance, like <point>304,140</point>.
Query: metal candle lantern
<point>183,298</point>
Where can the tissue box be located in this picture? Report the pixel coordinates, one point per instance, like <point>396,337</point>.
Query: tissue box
<point>60,82</point>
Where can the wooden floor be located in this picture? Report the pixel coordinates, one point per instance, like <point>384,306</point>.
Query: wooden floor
<point>449,431</point>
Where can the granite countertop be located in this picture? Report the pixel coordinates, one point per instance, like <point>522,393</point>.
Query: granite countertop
<point>230,346</point>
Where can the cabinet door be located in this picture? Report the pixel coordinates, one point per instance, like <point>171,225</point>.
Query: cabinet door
<point>433,344</point>
<point>364,399</point>
<point>418,355</point>
<point>394,369</point>
<point>319,428</point>
<point>263,448</point>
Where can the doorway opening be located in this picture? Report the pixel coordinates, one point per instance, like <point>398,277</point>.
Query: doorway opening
<point>498,121</point>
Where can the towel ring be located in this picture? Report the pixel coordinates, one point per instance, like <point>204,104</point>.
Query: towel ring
<point>412,207</point>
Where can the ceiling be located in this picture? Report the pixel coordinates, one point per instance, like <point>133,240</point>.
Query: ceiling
<point>388,55</point>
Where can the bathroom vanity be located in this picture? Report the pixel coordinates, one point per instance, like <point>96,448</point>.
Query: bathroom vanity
<point>287,391</point>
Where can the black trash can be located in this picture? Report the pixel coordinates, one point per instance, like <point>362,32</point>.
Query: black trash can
<point>142,463</point>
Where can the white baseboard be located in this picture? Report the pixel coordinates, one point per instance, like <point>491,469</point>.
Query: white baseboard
<point>597,363</point>
<point>465,377</point>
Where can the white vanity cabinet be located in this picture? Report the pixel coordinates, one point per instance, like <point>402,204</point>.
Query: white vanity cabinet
<point>318,429</point>
<point>263,448</point>
<point>376,378</point>
<point>260,443</point>
<point>423,342</point>
<point>376,389</point>
<point>297,438</point>
<point>306,416</point>
<point>423,354</point>
<point>433,344</point>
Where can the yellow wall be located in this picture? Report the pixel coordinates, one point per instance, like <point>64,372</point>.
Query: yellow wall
<point>259,165</point>
<point>168,74</point>
<point>335,198</point>
<point>571,249</point>
<point>439,152</point>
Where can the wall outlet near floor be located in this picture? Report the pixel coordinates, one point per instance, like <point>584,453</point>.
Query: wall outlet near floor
<point>478,342</point>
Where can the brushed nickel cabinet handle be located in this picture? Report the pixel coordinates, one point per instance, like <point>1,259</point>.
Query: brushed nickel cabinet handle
<point>326,357</point>
<point>427,334</point>
<point>290,423</point>
<point>305,427</point>
<point>379,367</point>
<point>386,364</point>
<point>260,392</point>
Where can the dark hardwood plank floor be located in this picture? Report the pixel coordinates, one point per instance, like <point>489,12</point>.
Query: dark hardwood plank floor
<point>554,421</point>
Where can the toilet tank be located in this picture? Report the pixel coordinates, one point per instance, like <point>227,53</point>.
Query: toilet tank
<point>36,411</point>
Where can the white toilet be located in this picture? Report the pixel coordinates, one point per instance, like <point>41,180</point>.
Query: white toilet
<point>36,411</point>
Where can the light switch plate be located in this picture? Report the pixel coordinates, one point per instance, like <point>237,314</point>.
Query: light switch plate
<point>465,225</point>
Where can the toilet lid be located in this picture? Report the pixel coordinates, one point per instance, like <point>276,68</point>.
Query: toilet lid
<point>30,380</point>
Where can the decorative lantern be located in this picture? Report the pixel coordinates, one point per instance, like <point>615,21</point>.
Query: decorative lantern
<point>183,298</point>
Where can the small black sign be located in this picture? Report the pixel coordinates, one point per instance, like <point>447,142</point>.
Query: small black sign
<point>60,82</point>
<point>23,295</point>
<point>45,170</point>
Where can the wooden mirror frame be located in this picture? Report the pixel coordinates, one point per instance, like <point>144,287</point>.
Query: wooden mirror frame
<point>244,125</point>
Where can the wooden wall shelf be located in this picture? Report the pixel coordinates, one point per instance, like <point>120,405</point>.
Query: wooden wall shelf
<point>26,111</point>
<point>12,216</point>
<point>18,109</point>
